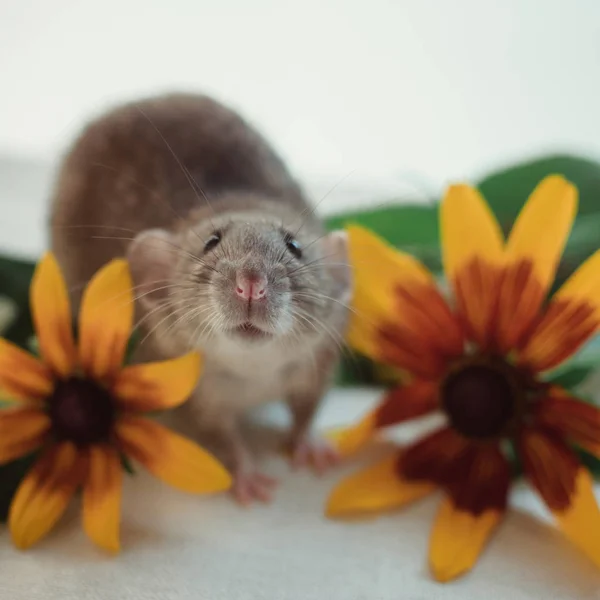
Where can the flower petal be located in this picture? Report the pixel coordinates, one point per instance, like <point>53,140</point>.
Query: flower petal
<point>159,385</point>
<point>477,497</point>
<point>398,312</point>
<point>377,488</point>
<point>565,486</point>
<point>51,313</point>
<point>435,458</point>
<point>571,319</point>
<point>533,252</point>
<point>43,495</point>
<point>580,522</point>
<point>22,377</point>
<point>577,421</point>
<point>349,440</point>
<point>105,320</point>
<point>407,402</point>
<point>398,405</point>
<point>102,497</point>
<point>173,458</point>
<point>550,465</point>
<point>458,538</point>
<point>472,246</point>
<point>22,430</point>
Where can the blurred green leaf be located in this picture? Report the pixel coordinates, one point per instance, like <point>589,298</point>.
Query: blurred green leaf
<point>414,229</point>
<point>11,475</point>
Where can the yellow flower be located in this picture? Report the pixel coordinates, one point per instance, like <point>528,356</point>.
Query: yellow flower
<point>478,362</point>
<point>82,409</point>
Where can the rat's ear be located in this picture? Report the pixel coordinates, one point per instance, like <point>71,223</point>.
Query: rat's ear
<point>152,260</point>
<point>335,248</point>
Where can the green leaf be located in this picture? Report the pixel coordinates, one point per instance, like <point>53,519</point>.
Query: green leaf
<point>590,462</point>
<point>127,466</point>
<point>11,475</point>
<point>412,228</point>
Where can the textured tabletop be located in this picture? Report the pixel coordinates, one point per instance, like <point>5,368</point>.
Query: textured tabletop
<point>187,548</point>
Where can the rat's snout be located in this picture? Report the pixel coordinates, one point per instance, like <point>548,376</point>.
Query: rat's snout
<point>250,286</point>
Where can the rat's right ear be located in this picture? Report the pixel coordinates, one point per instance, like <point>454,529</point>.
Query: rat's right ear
<point>152,260</point>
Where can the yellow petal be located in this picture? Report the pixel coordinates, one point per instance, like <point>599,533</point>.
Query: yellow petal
<point>570,320</point>
<point>22,377</point>
<point>350,440</point>
<point>158,386</point>
<point>533,253</point>
<point>469,230</point>
<point>472,248</point>
<point>102,497</point>
<point>458,538</point>
<point>22,430</point>
<point>51,313</point>
<point>377,269</point>
<point>580,522</point>
<point>377,488</point>
<point>43,495</point>
<point>540,232</point>
<point>171,457</point>
<point>106,319</point>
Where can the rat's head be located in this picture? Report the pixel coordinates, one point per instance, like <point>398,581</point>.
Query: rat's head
<point>244,277</point>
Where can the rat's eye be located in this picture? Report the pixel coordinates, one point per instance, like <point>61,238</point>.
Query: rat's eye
<point>213,241</point>
<point>292,245</point>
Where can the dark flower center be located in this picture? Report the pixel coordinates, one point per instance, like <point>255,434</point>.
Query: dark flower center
<point>81,411</point>
<point>480,400</point>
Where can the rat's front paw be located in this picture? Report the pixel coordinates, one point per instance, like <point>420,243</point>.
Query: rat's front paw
<point>317,454</point>
<point>251,486</point>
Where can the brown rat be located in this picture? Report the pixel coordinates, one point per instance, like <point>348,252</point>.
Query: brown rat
<point>226,254</point>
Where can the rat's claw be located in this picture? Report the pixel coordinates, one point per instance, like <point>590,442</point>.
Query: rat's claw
<point>316,454</point>
<point>252,486</point>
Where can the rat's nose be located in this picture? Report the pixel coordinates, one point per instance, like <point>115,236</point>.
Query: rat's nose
<point>251,287</point>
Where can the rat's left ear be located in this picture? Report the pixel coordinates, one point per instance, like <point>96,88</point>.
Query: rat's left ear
<point>337,258</point>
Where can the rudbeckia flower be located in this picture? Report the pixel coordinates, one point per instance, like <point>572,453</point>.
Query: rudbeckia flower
<point>82,410</point>
<point>479,360</point>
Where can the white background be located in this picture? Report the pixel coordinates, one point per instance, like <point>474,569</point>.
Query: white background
<point>391,94</point>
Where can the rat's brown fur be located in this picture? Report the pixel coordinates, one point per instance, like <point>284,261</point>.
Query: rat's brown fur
<point>153,181</point>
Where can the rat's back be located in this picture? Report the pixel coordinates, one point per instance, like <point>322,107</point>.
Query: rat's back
<point>148,165</point>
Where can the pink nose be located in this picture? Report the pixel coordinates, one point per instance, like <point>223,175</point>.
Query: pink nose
<point>251,288</point>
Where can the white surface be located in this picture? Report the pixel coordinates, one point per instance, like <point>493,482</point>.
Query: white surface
<point>378,89</point>
<point>178,547</point>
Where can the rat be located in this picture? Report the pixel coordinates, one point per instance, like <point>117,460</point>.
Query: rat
<point>227,257</point>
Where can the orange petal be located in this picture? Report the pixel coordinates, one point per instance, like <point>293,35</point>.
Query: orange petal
<point>407,402</point>
<point>158,386</point>
<point>22,430</point>
<point>550,465</point>
<point>458,539</point>
<point>22,377</point>
<point>51,313</point>
<point>477,485</point>
<point>472,247</point>
<point>573,419</point>
<point>435,458</point>
<point>580,521</point>
<point>102,497</point>
<point>173,458</point>
<point>377,488</point>
<point>571,319</point>
<point>43,495</point>
<point>349,440</point>
<point>105,321</point>
<point>397,305</point>
<point>533,252</point>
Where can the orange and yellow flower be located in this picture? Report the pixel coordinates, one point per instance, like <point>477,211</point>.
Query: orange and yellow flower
<point>82,409</point>
<point>478,360</point>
